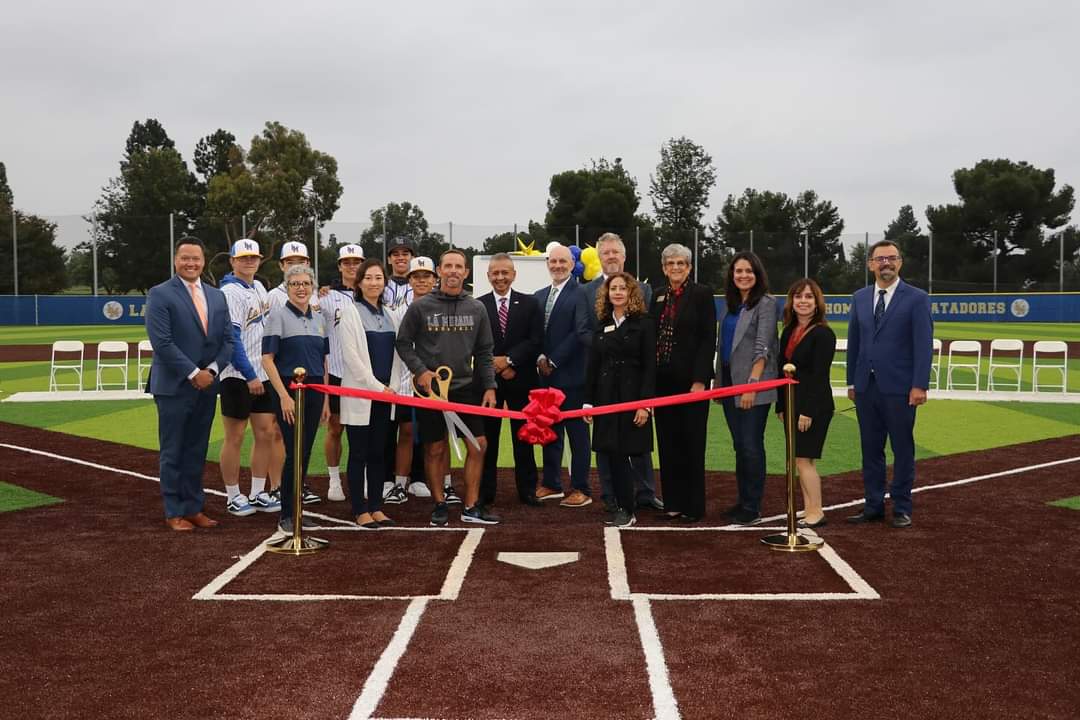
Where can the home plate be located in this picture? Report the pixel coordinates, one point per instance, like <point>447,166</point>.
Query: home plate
<point>538,560</point>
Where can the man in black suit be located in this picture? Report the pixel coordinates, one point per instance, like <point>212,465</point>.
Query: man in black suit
<point>517,324</point>
<point>612,252</point>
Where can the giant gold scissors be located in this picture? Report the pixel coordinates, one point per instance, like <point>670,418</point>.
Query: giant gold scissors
<point>443,376</point>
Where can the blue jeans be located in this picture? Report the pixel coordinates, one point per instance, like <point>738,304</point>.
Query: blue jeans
<point>580,453</point>
<point>748,439</point>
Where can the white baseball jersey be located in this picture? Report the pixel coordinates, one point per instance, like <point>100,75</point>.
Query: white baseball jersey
<point>332,306</point>
<point>249,307</point>
<point>396,297</point>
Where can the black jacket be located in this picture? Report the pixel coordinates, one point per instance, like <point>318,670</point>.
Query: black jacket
<point>621,368</point>
<point>524,335</point>
<point>812,358</point>
<point>695,336</point>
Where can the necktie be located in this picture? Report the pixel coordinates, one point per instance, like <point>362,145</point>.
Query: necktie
<point>550,305</point>
<point>504,315</point>
<point>879,309</point>
<point>200,308</point>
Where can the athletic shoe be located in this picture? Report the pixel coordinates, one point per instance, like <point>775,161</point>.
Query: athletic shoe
<point>623,519</point>
<point>440,515</point>
<point>239,506</point>
<point>395,495</point>
<point>545,493</point>
<point>285,526</point>
<point>309,496</point>
<point>452,498</point>
<point>419,489</point>
<point>266,502</point>
<point>335,493</point>
<point>577,499</point>
<point>746,517</point>
<point>479,514</point>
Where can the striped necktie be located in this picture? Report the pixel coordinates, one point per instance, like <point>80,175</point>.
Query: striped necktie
<point>504,315</point>
<point>550,305</point>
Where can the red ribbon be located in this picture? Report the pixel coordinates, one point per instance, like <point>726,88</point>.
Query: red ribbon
<point>542,411</point>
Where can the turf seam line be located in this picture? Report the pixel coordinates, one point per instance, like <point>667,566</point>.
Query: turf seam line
<point>663,697</point>
<point>379,678</point>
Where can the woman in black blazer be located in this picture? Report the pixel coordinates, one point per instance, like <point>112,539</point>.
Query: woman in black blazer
<point>685,316</point>
<point>621,368</point>
<point>808,343</point>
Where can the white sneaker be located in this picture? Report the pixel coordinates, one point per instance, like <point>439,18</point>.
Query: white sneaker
<point>335,493</point>
<point>419,489</point>
<point>395,496</point>
<point>239,506</point>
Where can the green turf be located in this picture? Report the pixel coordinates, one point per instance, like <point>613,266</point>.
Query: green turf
<point>46,334</point>
<point>13,497</point>
<point>1070,332</point>
<point>1072,503</point>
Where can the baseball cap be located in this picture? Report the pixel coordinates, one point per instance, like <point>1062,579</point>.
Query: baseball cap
<point>245,248</point>
<point>294,249</point>
<point>400,242</point>
<point>418,264</point>
<point>350,251</point>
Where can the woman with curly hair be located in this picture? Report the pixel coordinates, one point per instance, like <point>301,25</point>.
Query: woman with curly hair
<point>621,368</point>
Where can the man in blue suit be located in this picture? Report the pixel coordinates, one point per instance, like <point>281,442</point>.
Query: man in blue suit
<point>189,328</point>
<point>567,337</point>
<point>890,338</point>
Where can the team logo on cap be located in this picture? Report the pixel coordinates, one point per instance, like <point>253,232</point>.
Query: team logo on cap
<point>350,251</point>
<point>242,248</point>
<point>294,249</point>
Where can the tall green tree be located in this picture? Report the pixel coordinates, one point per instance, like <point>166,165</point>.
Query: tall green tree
<point>7,199</point>
<point>680,187</point>
<point>1006,209</point>
<point>402,220</point>
<point>914,246</point>
<point>42,268</point>
<point>598,199</point>
<point>132,214</point>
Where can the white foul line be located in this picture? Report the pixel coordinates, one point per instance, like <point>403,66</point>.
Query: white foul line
<point>663,697</point>
<point>455,576</point>
<point>377,682</point>
<point>616,564</point>
<point>210,591</point>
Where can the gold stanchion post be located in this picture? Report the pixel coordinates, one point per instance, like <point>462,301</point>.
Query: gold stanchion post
<point>298,544</point>
<point>791,541</point>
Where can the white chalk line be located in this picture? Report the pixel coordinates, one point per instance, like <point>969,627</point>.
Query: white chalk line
<point>663,697</point>
<point>379,678</point>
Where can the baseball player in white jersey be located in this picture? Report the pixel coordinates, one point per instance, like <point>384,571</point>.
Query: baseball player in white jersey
<point>398,294</point>
<point>331,302</point>
<point>243,393</point>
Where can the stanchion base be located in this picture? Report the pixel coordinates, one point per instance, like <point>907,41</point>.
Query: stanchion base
<point>793,543</point>
<point>297,545</point>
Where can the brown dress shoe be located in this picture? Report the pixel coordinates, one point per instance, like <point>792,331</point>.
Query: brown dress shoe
<point>543,493</point>
<point>576,499</point>
<point>200,520</point>
<point>179,523</point>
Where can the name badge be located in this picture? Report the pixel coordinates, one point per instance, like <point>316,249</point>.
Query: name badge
<point>660,298</point>
<point>609,328</point>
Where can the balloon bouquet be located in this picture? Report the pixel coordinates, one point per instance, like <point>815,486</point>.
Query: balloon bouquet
<point>586,261</point>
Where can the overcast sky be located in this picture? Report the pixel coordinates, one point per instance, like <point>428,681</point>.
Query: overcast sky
<point>468,109</point>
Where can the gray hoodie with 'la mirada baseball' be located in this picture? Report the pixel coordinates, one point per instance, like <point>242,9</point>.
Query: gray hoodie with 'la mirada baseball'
<point>452,330</point>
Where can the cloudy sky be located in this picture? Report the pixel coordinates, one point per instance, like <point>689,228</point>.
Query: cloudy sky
<point>468,108</point>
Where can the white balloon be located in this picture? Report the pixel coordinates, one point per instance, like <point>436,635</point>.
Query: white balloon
<point>551,245</point>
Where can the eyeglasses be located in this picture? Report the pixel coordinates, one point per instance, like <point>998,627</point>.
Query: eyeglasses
<point>882,259</point>
<point>676,263</point>
<point>299,284</point>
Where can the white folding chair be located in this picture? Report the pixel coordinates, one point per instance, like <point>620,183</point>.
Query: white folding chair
<point>935,365</point>
<point>967,350</point>
<point>67,363</point>
<point>1012,361</point>
<point>1049,347</point>
<point>112,355</point>
<point>146,359</point>
<point>841,347</point>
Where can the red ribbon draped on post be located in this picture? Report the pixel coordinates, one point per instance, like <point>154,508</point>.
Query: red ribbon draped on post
<point>543,411</point>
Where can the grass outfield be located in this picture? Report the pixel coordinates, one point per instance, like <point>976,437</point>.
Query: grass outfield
<point>13,497</point>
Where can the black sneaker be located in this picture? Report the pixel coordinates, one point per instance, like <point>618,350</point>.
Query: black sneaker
<point>479,514</point>
<point>440,515</point>
<point>395,496</point>
<point>286,526</point>
<point>451,496</point>
<point>309,497</point>
<point>745,517</point>
<point>623,519</point>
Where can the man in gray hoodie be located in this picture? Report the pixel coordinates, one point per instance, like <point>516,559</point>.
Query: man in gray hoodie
<point>449,327</point>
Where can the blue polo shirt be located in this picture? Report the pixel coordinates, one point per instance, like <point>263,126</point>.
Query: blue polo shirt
<point>296,339</point>
<point>727,334</point>
<point>379,331</point>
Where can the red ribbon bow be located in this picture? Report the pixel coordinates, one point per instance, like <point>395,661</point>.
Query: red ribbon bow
<point>540,414</point>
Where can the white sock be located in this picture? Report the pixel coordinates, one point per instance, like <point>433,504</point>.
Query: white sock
<point>258,485</point>
<point>232,491</point>
<point>401,480</point>
<point>446,481</point>
<point>335,475</point>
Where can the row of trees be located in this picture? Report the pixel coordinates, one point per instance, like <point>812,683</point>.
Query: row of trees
<point>280,188</point>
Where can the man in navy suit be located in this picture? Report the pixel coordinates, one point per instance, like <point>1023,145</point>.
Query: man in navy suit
<point>612,251</point>
<point>189,327</point>
<point>517,325</point>
<point>567,337</point>
<point>890,338</point>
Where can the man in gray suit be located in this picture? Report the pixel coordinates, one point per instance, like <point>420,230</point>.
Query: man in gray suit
<point>612,253</point>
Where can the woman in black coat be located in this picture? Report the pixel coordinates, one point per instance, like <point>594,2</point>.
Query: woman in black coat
<point>621,368</point>
<point>808,343</point>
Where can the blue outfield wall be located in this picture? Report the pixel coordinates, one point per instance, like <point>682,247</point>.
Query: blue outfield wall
<point>129,309</point>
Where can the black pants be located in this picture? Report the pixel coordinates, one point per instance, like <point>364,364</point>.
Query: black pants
<point>622,479</point>
<point>680,434</point>
<point>525,473</point>
<point>313,404</point>
<point>367,459</point>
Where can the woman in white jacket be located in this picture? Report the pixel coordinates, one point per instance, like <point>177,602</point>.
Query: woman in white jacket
<point>367,333</point>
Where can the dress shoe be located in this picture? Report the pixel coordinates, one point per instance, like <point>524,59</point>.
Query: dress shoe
<point>816,524</point>
<point>654,504</point>
<point>531,501</point>
<point>865,517</point>
<point>685,519</point>
<point>386,522</point>
<point>746,517</point>
<point>179,523</point>
<point>200,520</point>
<point>901,520</point>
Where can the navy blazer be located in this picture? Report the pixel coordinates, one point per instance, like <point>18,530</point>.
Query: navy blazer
<point>899,351</point>
<point>568,335</point>
<point>524,333</point>
<point>180,345</point>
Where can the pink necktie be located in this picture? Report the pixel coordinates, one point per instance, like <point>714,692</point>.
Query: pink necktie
<point>504,315</point>
<point>199,307</point>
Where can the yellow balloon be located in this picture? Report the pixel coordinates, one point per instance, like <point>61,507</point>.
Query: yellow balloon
<point>592,269</point>
<point>589,255</point>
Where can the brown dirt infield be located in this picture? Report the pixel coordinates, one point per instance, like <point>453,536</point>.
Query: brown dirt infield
<point>977,615</point>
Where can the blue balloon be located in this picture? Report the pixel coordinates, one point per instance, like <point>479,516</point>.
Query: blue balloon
<point>579,269</point>
<point>576,252</point>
